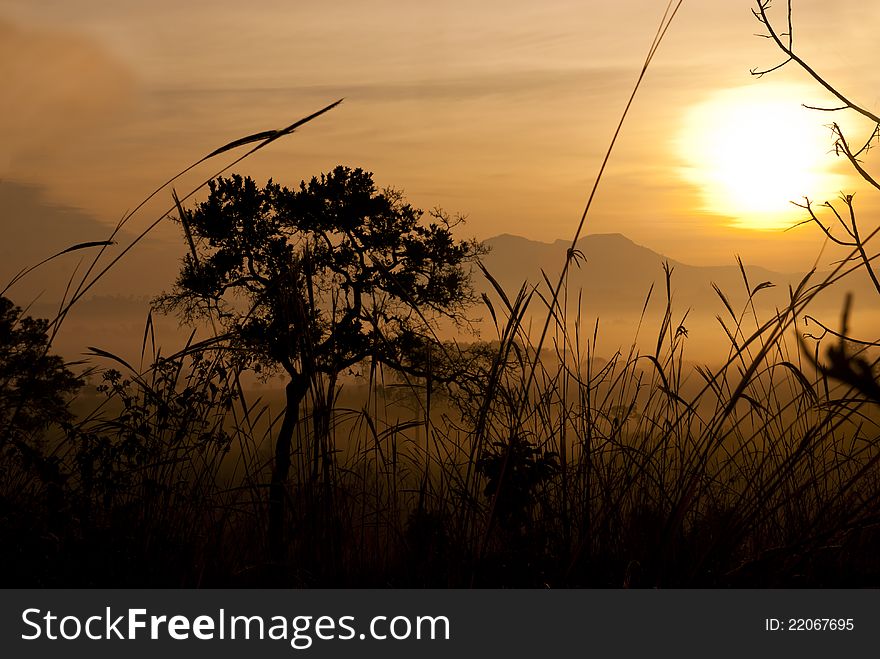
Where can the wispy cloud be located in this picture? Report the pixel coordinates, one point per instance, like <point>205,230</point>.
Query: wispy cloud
<point>57,87</point>
<point>510,84</point>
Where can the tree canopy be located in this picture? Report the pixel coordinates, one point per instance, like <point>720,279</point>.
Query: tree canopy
<point>318,278</point>
<point>34,384</point>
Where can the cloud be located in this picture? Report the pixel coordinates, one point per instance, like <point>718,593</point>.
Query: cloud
<point>57,88</point>
<point>510,85</point>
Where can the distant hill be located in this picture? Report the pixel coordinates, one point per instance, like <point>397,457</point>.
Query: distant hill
<point>615,275</point>
<point>616,272</point>
<point>34,228</point>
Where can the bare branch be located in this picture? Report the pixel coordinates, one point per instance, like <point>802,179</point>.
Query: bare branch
<point>828,331</point>
<point>761,73</point>
<point>875,134</point>
<point>807,206</point>
<point>844,148</point>
<point>860,245</point>
<point>788,49</point>
<point>820,109</point>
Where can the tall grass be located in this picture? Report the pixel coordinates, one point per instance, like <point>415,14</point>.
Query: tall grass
<point>638,470</point>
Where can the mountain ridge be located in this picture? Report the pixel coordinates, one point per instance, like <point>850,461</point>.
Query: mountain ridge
<point>617,279</point>
<point>620,239</point>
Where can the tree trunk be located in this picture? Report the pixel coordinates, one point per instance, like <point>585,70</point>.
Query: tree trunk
<point>295,392</point>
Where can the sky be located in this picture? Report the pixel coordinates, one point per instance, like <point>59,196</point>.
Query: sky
<point>500,111</point>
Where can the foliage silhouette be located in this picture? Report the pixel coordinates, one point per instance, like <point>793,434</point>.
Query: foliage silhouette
<point>524,469</point>
<point>316,280</point>
<point>34,384</point>
<point>35,391</point>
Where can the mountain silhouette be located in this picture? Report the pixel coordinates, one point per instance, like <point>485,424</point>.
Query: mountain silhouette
<point>615,275</point>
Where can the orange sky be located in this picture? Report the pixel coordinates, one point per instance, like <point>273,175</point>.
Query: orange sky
<point>498,110</point>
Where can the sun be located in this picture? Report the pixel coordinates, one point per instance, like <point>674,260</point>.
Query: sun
<point>752,151</point>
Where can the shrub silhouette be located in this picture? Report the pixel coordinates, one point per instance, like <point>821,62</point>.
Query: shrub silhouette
<point>317,279</point>
<point>34,384</point>
<point>515,471</point>
<point>35,387</point>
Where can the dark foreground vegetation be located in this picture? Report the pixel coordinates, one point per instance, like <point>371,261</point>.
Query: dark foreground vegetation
<point>515,460</point>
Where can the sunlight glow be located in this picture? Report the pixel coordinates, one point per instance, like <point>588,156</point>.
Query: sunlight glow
<point>754,150</point>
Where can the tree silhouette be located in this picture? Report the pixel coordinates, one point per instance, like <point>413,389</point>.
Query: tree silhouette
<point>35,388</point>
<point>34,384</point>
<point>317,279</point>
